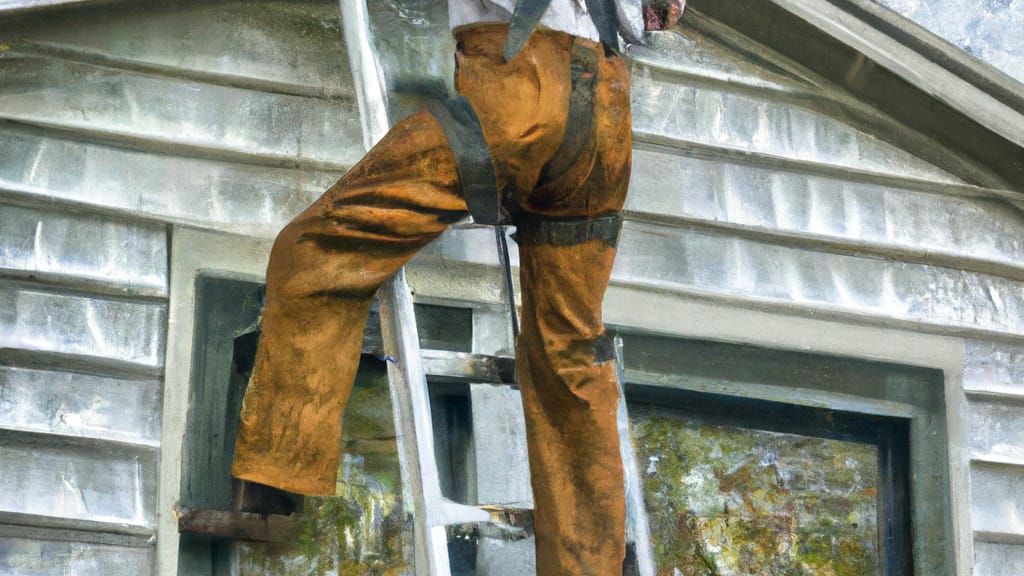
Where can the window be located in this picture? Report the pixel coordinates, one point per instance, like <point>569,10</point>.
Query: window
<point>742,486</point>
<point>364,528</point>
<point>756,461</point>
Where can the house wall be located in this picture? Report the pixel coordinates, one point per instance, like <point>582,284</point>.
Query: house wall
<point>760,194</point>
<point>119,126</point>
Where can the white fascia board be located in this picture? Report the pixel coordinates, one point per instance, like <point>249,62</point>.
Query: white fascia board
<point>18,5</point>
<point>910,65</point>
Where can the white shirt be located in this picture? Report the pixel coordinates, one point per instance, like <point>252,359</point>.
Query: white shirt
<point>570,16</point>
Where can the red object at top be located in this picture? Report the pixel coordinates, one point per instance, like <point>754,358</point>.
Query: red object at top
<point>662,14</point>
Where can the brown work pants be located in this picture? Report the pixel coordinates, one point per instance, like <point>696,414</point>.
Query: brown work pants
<point>327,264</point>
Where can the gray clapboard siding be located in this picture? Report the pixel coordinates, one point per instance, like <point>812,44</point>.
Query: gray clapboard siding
<point>936,222</point>
<point>740,268</point>
<point>246,198</point>
<point>111,484</point>
<point>996,431</point>
<point>998,504</point>
<point>995,559</point>
<point>279,46</point>
<point>57,558</point>
<point>994,368</point>
<point>994,382</point>
<point>47,320</point>
<point>697,111</point>
<point>100,103</point>
<point>82,405</point>
<point>126,257</point>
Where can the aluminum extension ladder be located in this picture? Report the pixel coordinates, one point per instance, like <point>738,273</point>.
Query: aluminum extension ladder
<point>432,513</point>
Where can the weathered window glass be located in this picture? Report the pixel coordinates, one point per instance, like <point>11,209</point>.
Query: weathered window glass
<point>839,435</point>
<point>731,500</point>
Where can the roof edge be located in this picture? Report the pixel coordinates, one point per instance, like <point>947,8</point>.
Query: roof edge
<point>978,72</point>
<point>934,66</point>
<point>902,72</point>
<point>10,6</point>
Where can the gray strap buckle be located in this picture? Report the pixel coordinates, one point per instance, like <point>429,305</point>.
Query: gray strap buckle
<point>534,229</point>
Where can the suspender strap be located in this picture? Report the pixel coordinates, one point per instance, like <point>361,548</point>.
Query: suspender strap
<point>528,13</point>
<point>525,17</point>
<point>605,18</point>
<point>578,143</point>
<point>534,229</point>
<point>472,157</point>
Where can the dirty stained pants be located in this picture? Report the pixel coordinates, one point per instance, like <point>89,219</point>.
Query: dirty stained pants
<point>327,264</point>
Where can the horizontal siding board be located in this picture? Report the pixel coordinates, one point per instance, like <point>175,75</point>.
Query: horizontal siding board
<point>993,559</point>
<point>14,525</point>
<point>86,405</point>
<point>994,368</point>
<point>128,256</point>
<point>825,208</point>
<point>717,115</point>
<point>50,477</point>
<point>119,330</point>
<point>104,103</point>
<point>237,41</point>
<point>228,196</point>
<point>996,430</point>
<point>692,260</point>
<point>695,260</point>
<point>20,556</point>
<point>998,499</point>
<point>686,51</point>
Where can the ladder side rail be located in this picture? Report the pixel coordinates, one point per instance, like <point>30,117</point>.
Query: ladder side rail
<point>637,526</point>
<point>407,381</point>
<point>411,409</point>
<point>371,96</point>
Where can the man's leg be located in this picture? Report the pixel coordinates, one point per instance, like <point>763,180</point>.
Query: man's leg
<point>570,401</point>
<point>325,268</point>
<point>564,363</point>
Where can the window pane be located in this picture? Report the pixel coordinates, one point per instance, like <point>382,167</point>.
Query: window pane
<point>727,500</point>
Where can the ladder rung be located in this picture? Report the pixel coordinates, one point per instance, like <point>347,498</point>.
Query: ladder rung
<point>469,224</point>
<point>455,513</point>
<point>466,367</point>
<point>507,523</point>
<point>247,526</point>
